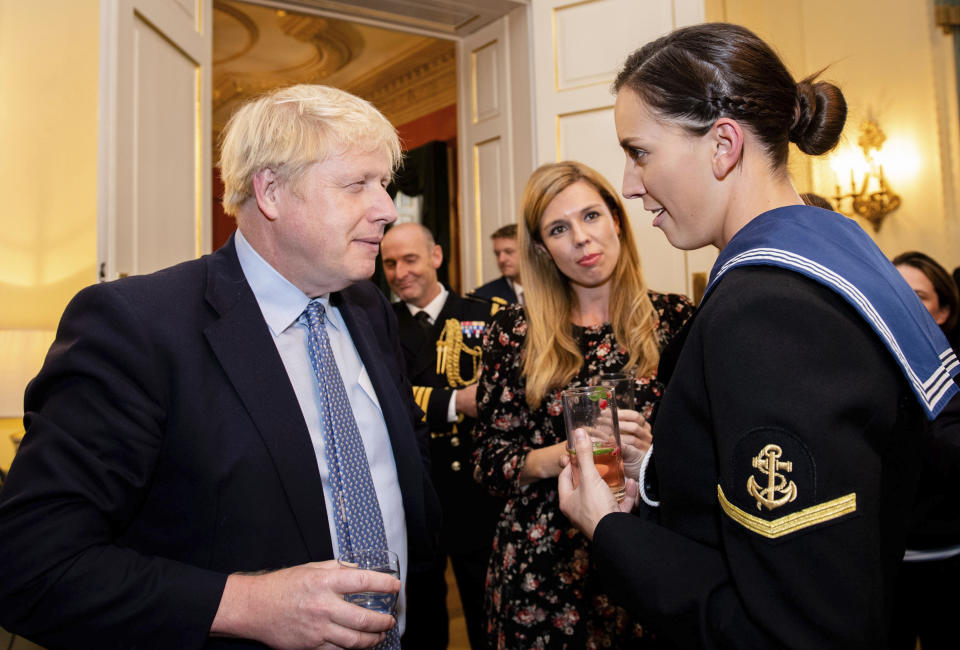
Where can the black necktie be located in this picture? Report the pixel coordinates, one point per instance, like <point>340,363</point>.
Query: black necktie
<point>423,319</point>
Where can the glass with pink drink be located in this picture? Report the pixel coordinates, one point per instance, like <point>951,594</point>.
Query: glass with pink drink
<point>594,409</point>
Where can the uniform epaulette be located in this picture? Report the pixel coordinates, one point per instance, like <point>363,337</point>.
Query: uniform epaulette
<point>496,303</point>
<point>475,298</point>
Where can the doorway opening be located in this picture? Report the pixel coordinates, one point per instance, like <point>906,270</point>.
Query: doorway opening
<point>410,77</point>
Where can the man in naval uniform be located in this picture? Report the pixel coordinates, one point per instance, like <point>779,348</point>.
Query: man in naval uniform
<point>507,287</point>
<point>441,335</point>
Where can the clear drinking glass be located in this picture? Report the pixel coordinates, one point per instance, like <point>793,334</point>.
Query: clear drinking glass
<point>594,409</point>
<point>623,385</point>
<point>380,560</point>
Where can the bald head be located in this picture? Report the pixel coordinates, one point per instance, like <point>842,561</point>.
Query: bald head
<point>410,232</point>
<point>411,258</point>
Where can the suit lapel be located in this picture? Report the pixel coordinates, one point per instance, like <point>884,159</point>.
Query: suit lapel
<point>245,349</point>
<point>383,371</point>
<point>448,310</point>
<point>508,290</point>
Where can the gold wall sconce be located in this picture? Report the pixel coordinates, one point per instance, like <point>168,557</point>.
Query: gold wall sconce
<point>872,197</point>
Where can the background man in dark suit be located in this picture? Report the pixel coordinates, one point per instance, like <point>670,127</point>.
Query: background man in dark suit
<point>507,287</point>
<point>174,483</point>
<point>441,334</point>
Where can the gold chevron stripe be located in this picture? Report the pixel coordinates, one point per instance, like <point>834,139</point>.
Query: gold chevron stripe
<point>793,522</point>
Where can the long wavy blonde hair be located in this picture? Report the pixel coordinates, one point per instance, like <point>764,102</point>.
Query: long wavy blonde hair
<point>551,355</point>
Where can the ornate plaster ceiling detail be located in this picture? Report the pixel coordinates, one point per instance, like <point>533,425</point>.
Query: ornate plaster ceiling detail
<point>237,29</point>
<point>257,48</point>
<point>336,43</point>
<point>442,17</point>
<point>423,82</point>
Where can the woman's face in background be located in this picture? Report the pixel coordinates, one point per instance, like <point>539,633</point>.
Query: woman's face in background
<point>922,286</point>
<point>581,235</point>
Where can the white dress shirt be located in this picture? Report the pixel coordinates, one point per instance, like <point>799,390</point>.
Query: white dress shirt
<point>433,308</point>
<point>281,304</point>
<point>517,289</point>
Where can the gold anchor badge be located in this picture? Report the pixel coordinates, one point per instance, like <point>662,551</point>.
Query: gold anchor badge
<point>766,461</point>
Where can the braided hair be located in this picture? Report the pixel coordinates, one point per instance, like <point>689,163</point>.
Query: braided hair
<point>698,74</point>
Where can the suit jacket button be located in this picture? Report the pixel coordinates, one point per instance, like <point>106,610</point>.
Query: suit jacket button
<point>455,441</point>
<point>455,466</point>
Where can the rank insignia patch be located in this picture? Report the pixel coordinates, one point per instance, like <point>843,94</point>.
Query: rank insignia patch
<point>769,486</point>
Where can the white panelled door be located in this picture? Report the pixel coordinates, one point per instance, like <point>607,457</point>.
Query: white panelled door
<point>154,140</point>
<point>578,48</point>
<point>486,146</point>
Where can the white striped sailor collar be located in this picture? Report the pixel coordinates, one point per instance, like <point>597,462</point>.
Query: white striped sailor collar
<point>836,252</point>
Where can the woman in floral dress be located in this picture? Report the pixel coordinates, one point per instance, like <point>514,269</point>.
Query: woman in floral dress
<point>587,312</point>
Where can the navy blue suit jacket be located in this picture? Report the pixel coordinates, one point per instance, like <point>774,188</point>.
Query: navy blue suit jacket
<point>165,449</point>
<point>498,288</point>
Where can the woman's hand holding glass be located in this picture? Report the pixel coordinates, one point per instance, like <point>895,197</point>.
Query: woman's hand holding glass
<point>591,500</point>
<point>635,439</point>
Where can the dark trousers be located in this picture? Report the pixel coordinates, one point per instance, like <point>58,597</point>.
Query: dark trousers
<point>427,618</point>
<point>427,622</point>
<point>470,570</point>
<point>928,599</point>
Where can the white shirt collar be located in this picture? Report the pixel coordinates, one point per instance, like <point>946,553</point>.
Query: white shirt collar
<point>280,301</point>
<point>517,289</point>
<point>434,307</point>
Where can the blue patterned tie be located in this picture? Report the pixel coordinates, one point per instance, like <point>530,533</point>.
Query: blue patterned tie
<point>357,516</point>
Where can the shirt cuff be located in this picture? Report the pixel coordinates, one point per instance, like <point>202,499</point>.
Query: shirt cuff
<point>452,407</point>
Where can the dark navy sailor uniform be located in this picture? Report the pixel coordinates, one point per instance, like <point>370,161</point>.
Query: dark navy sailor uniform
<point>786,459</point>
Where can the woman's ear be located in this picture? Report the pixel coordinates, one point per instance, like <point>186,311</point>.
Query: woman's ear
<point>727,142</point>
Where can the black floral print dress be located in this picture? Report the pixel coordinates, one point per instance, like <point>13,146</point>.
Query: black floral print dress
<point>541,592</point>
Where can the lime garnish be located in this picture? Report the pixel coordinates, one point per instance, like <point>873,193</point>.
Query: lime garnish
<point>597,451</point>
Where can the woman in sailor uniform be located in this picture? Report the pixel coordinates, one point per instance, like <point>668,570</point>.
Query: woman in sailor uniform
<point>786,448</point>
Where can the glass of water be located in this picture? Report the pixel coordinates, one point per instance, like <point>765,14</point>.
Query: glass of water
<point>380,560</point>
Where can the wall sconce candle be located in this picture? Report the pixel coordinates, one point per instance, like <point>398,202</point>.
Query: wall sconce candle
<point>873,199</point>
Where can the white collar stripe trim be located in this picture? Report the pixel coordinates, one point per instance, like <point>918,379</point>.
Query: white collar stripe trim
<point>932,389</point>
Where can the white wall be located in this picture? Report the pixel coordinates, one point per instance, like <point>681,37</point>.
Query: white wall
<point>894,65</point>
<point>48,161</point>
<point>48,166</point>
